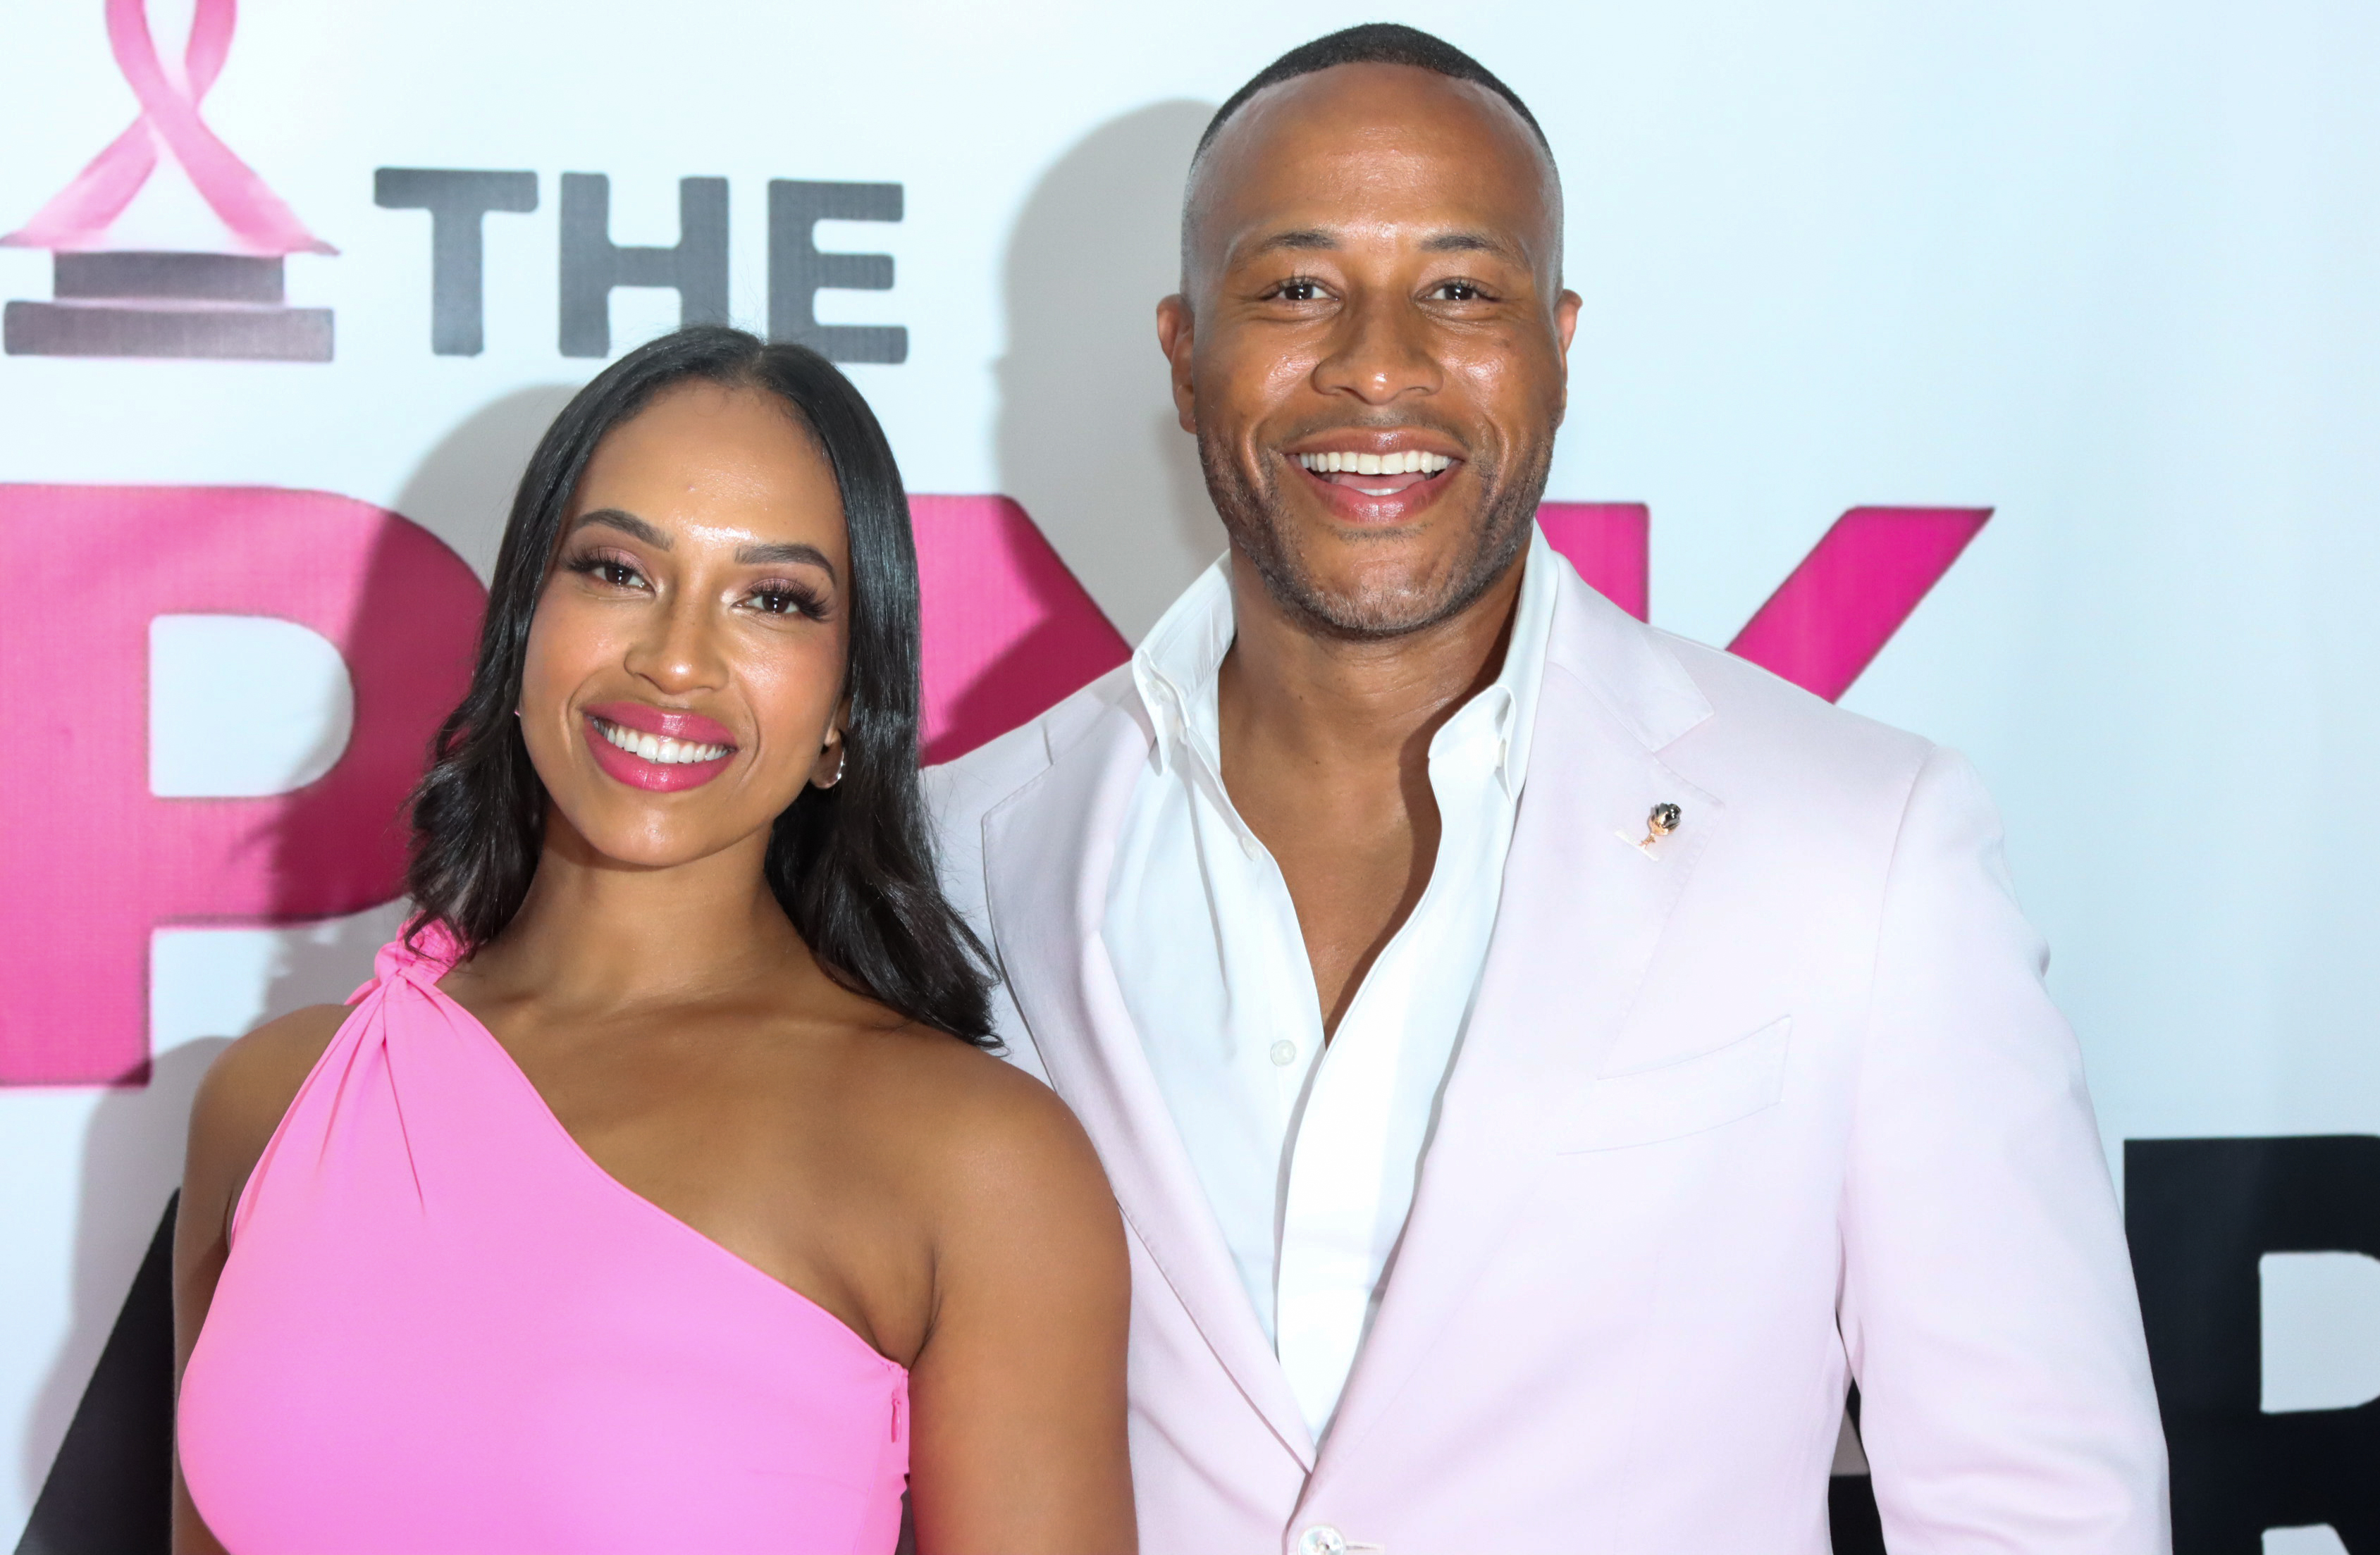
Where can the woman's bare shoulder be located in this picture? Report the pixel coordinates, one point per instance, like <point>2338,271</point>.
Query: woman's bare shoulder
<point>990,1139</point>
<point>252,1083</point>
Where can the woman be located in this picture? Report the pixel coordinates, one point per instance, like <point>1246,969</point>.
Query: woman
<point>657,1194</point>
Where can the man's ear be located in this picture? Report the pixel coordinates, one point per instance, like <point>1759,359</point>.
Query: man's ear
<point>1566,307</point>
<point>1173,335</point>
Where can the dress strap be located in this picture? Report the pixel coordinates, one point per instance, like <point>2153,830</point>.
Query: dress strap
<point>420,958</point>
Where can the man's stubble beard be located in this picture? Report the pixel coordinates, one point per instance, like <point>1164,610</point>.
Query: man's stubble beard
<point>1254,518</point>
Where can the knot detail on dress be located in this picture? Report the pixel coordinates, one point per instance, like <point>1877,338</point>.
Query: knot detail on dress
<point>430,955</point>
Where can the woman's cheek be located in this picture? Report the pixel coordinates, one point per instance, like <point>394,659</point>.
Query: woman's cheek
<point>795,689</point>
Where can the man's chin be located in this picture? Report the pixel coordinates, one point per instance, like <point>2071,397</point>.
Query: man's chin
<point>1368,605</point>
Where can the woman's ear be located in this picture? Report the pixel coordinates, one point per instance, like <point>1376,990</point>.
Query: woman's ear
<point>827,771</point>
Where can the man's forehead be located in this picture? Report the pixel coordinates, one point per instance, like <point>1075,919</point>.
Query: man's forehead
<point>1366,145</point>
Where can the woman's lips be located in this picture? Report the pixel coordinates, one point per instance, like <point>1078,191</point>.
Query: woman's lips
<point>668,723</point>
<point>656,749</point>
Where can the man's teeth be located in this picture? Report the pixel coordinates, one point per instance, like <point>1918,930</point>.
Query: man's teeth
<point>659,748</point>
<point>1412,461</point>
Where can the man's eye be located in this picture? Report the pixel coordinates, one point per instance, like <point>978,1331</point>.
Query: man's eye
<point>1301,291</point>
<point>1458,291</point>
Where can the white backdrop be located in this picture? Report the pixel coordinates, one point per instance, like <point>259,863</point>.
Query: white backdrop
<point>2110,269</point>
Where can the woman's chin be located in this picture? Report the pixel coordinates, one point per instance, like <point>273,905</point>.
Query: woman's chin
<point>646,842</point>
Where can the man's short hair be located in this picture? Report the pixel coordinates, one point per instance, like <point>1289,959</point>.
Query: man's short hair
<point>1374,43</point>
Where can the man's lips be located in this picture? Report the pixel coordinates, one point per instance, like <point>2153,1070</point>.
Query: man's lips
<point>1378,485</point>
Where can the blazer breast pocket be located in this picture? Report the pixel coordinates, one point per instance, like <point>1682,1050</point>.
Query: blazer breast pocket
<point>1690,1096</point>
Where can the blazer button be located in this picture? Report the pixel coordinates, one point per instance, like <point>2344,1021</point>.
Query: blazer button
<point>1321,1539</point>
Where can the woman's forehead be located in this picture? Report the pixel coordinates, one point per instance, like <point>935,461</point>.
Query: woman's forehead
<point>714,463</point>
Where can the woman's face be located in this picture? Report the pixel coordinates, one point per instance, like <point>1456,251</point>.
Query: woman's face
<point>685,662</point>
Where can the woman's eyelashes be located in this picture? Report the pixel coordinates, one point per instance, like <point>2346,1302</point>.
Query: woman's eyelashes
<point>616,569</point>
<point>770,597</point>
<point>788,597</point>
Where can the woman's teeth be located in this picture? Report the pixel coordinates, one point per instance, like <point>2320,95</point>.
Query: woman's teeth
<point>659,748</point>
<point>1411,461</point>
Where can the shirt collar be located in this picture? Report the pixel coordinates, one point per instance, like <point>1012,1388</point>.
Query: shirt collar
<point>1177,666</point>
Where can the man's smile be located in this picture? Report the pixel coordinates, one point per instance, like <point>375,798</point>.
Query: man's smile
<point>1379,479</point>
<point>1375,475</point>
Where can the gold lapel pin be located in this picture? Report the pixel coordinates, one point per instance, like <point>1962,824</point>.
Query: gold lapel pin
<point>1659,822</point>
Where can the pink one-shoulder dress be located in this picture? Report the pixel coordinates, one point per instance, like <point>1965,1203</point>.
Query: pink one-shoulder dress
<point>445,1331</point>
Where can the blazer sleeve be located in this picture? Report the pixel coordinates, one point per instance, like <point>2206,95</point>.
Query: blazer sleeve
<point>1987,1306</point>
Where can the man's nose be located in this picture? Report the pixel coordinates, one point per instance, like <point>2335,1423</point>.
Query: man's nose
<point>1380,351</point>
<point>679,650</point>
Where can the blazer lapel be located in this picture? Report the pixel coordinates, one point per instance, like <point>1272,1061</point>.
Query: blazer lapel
<point>1578,918</point>
<point>1048,850</point>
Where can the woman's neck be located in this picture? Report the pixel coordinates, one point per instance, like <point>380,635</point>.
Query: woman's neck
<point>596,932</point>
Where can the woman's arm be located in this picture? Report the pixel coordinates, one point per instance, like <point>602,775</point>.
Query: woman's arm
<point>1017,1398</point>
<point>240,1104</point>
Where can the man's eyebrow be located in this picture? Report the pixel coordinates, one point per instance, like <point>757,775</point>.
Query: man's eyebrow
<point>626,524</point>
<point>1295,237</point>
<point>1315,238</point>
<point>779,555</point>
<point>1469,243</point>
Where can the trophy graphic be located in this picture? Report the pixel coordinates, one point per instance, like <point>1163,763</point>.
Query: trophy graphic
<point>112,301</point>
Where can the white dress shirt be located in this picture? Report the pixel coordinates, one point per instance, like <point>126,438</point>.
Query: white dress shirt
<point>1308,1152</point>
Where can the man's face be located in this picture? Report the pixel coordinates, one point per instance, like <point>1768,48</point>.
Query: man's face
<point>1370,346</point>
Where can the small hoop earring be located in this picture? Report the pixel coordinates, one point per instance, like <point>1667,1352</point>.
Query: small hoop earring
<point>842,754</point>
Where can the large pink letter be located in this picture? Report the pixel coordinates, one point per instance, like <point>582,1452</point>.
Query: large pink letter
<point>1008,632</point>
<point>1609,543</point>
<point>1827,620</point>
<point>95,861</point>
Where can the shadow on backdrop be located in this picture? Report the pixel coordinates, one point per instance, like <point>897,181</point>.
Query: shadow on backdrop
<point>461,492</point>
<point>407,639</point>
<point>106,1487</point>
<point>1087,439</point>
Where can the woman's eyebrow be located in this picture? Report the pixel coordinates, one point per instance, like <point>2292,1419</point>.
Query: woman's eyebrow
<point>771,556</point>
<point>627,524</point>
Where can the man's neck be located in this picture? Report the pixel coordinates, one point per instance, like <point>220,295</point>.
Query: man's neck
<point>1315,701</point>
<point>1326,756</point>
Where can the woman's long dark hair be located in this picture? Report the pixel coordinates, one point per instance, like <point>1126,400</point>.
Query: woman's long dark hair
<point>852,864</point>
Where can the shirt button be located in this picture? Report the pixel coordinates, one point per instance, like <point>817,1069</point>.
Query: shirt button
<point>1321,1539</point>
<point>1249,844</point>
<point>1284,1052</point>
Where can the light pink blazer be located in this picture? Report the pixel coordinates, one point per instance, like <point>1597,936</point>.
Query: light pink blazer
<point>1782,1107</point>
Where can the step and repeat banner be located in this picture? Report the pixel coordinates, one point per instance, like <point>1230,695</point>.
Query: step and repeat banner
<point>2011,374</point>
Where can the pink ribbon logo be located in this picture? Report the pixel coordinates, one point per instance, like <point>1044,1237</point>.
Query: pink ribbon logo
<point>79,216</point>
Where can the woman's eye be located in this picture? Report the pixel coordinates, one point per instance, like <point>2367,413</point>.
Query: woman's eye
<point>610,571</point>
<point>786,602</point>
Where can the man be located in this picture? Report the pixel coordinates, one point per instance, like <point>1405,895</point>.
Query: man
<point>1542,1062</point>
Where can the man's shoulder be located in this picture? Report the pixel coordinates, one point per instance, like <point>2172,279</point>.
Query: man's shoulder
<point>1765,722</point>
<point>1757,742</point>
<point>960,791</point>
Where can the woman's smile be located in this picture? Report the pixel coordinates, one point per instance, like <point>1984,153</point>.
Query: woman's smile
<point>656,748</point>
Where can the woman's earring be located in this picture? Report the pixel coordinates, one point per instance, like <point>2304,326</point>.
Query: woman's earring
<point>842,754</point>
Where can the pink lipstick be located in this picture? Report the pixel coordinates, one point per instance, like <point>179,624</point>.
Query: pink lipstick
<point>656,748</point>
